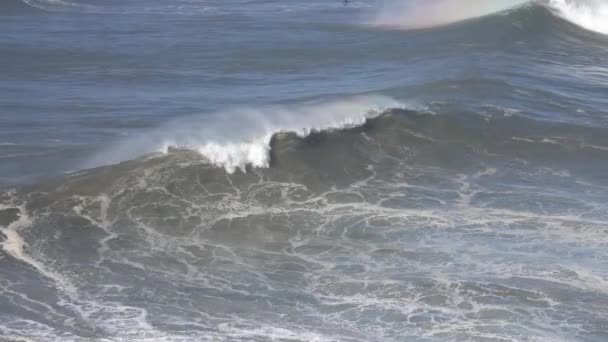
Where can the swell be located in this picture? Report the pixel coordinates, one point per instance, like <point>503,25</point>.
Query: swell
<point>489,135</point>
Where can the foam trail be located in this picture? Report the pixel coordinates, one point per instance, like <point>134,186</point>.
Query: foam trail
<point>415,14</point>
<point>15,246</point>
<point>237,138</point>
<point>589,14</point>
<point>62,6</point>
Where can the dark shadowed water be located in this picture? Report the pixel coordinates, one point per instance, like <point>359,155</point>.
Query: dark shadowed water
<point>240,170</point>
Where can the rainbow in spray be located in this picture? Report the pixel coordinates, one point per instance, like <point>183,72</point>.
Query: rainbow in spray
<point>422,14</point>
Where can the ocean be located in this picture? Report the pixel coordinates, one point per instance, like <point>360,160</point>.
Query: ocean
<point>265,170</point>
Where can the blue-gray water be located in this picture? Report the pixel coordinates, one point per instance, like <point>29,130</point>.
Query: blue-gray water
<point>247,170</point>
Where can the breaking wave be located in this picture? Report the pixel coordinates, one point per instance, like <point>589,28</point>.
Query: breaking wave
<point>424,14</point>
<point>239,138</point>
<point>589,14</point>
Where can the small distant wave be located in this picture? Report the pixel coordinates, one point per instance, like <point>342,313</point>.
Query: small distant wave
<point>239,138</point>
<point>117,8</point>
<point>55,5</point>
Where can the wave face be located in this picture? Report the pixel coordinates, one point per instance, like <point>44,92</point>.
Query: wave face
<point>237,170</point>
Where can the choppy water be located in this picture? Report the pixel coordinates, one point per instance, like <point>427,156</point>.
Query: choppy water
<point>181,170</point>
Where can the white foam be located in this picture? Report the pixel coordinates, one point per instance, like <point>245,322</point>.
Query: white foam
<point>14,245</point>
<point>237,155</point>
<point>589,14</point>
<point>237,138</point>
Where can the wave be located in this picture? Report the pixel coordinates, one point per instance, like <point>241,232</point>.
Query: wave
<point>239,138</point>
<point>589,14</point>
<point>167,224</point>
<point>416,14</point>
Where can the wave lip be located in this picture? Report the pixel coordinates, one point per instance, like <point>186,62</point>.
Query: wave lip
<point>242,137</point>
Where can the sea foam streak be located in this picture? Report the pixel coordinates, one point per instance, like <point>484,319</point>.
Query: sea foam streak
<point>55,5</point>
<point>241,137</point>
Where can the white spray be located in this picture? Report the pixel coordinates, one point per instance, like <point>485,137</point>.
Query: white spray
<point>589,14</point>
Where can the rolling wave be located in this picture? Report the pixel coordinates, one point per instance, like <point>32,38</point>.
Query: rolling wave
<point>588,14</point>
<point>239,138</point>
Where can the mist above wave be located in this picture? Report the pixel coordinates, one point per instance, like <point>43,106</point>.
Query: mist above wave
<point>415,14</point>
